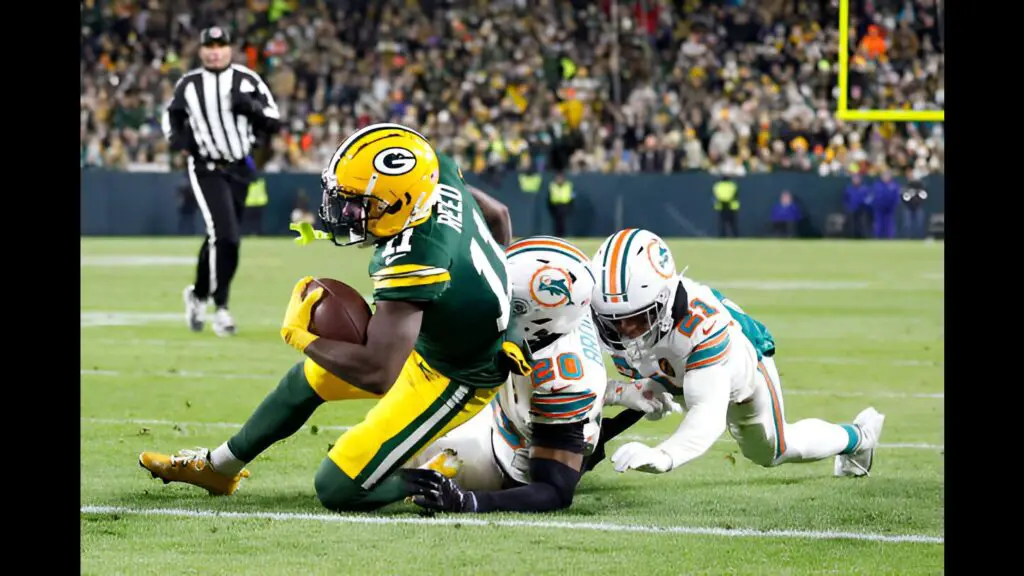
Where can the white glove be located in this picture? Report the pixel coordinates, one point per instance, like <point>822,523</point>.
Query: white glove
<point>644,395</point>
<point>642,458</point>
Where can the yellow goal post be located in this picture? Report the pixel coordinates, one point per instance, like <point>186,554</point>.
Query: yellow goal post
<point>842,112</point>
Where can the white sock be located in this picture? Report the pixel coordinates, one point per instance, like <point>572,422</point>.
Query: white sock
<point>224,462</point>
<point>813,439</point>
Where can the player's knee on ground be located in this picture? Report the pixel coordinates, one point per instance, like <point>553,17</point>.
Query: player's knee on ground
<point>760,455</point>
<point>337,492</point>
<point>561,477</point>
<point>757,444</point>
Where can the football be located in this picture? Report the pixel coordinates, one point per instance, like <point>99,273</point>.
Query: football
<point>341,314</point>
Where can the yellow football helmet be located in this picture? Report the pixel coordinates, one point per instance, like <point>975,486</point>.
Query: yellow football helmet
<point>380,181</point>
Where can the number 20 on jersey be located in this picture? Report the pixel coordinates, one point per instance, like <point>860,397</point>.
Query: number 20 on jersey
<point>567,366</point>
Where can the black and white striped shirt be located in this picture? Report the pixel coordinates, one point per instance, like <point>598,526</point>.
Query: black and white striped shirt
<point>202,117</point>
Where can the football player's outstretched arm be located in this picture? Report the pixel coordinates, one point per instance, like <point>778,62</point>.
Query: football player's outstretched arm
<point>390,338</point>
<point>706,392</point>
<point>641,398</point>
<point>495,213</point>
<point>610,428</point>
<point>556,457</point>
<point>558,412</point>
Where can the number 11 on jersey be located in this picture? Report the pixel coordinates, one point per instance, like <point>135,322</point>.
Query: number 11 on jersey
<point>484,268</point>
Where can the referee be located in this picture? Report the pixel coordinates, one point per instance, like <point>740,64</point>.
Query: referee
<point>217,114</point>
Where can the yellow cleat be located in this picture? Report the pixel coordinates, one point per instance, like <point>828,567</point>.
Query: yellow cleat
<point>446,463</point>
<point>191,467</point>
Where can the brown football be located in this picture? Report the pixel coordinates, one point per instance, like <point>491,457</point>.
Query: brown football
<point>341,314</point>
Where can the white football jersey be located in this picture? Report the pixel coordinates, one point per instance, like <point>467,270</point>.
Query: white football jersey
<point>567,385</point>
<point>715,331</point>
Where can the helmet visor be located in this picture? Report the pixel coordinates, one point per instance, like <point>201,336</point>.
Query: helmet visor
<point>620,329</point>
<point>348,215</point>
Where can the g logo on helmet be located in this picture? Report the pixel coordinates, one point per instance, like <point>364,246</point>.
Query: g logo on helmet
<point>551,287</point>
<point>661,259</point>
<point>394,161</point>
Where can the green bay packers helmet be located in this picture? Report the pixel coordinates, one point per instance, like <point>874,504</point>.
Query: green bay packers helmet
<point>380,181</point>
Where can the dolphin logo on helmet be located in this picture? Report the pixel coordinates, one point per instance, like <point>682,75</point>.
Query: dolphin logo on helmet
<point>637,282</point>
<point>551,284</point>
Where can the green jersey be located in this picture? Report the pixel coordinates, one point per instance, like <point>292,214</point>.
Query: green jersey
<point>452,263</point>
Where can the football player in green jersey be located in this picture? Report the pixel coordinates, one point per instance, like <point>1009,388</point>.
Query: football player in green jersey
<point>436,352</point>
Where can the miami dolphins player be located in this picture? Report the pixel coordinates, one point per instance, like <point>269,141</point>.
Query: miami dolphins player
<point>435,353</point>
<point>525,454</point>
<point>703,347</point>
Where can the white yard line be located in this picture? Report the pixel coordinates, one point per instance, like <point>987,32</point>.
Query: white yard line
<point>135,260</point>
<point>783,360</point>
<point>473,521</point>
<point>232,376</point>
<point>788,285</point>
<point>810,285</point>
<point>99,318</point>
<point>184,424</point>
<point>177,374</point>
<point>871,394</point>
<point>109,318</point>
<point>232,425</point>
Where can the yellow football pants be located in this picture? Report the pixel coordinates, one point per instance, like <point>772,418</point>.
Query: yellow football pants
<point>422,406</point>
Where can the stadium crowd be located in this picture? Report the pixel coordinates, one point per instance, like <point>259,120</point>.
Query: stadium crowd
<point>730,86</point>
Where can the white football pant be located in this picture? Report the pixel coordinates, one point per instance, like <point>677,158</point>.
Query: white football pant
<point>759,427</point>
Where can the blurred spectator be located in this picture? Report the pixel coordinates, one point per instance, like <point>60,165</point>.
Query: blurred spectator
<point>187,207</point>
<point>560,201</point>
<point>691,85</point>
<point>727,204</point>
<point>884,198</point>
<point>300,211</point>
<point>914,195</point>
<point>785,216</point>
<point>256,200</point>
<point>858,210</point>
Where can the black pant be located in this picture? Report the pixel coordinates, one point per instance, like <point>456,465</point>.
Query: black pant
<point>785,229</point>
<point>727,223</point>
<point>220,192</point>
<point>252,224</point>
<point>559,213</point>
<point>861,222</point>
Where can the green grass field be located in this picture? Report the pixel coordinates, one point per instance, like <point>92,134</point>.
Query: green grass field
<point>856,324</point>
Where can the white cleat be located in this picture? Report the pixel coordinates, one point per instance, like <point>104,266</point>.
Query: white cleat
<point>223,323</point>
<point>869,424</point>
<point>195,309</point>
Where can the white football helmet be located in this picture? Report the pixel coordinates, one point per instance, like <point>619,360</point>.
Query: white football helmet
<point>636,287</point>
<point>551,285</point>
